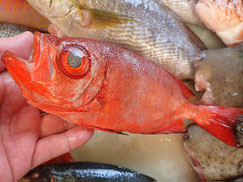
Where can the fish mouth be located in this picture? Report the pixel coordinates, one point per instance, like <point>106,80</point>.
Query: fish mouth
<point>32,73</point>
<point>43,69</point>
<point>38,68</point>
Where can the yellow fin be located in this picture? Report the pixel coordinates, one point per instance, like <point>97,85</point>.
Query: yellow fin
<point>102,18</point>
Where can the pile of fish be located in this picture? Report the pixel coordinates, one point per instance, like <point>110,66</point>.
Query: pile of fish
<point>148,28</point>
<point>152,30</point>
<point>88,81</point>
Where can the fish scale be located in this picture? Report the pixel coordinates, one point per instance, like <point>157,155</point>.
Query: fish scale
<point>154,32</point>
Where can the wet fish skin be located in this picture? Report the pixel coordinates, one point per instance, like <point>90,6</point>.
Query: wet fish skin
<point>220,73</point>
<point>212,159</point>
<point>155,32</point>
<point>10,30</point>
<point>184,9</point>
<point>85,172</point>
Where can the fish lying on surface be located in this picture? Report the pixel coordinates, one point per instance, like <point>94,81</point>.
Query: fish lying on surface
<point>19,12</point>
<point>10,30</point>
<point>85,172</point>
<point>185,9</point>
<point>226,19</point>
<point>146,27</point>
<point>221,76</point>
<point>212,159</point>
<point>101,86</point>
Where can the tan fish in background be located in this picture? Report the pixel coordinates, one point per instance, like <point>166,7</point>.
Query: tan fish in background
<point>211,158</point>
<point>184,9</point>
<point>225,17</point>
<point>146,27</point>
<point>220,73</point>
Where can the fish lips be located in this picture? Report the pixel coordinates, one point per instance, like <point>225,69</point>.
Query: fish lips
<point>31,75</point>
<point>39,68</point>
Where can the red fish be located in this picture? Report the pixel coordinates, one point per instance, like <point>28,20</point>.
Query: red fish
<point>21,13</point>
<point>105,87</point>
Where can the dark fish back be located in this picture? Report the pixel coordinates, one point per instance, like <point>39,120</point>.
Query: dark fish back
<point>85,172</point>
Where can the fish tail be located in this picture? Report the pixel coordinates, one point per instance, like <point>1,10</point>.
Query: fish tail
<point>225,123</point>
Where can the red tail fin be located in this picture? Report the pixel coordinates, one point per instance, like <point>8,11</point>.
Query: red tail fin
<point>222,122</point>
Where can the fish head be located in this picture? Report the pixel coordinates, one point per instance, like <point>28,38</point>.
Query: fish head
<point>62,75</point>
<point>60,13</point>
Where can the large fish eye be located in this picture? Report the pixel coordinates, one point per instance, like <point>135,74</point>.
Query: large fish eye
<point>74,61</point>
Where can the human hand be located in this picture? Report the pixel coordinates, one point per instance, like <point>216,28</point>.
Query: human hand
<point>26,138</point>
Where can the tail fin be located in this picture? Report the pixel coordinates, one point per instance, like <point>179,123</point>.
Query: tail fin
<point>224,123</point>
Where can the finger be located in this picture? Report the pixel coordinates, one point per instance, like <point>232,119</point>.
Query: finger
<point>52,124</point>
<point>20,45</point>
<point>55,145</point>
<point>13,99</point>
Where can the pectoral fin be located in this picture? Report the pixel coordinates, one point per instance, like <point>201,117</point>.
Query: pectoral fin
<point>102,18</point>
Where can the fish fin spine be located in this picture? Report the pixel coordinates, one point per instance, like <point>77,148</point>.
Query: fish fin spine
<point>222,122</point>
<point>176,127</point>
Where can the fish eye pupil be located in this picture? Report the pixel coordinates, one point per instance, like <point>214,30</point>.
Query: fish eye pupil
<point>74,60</point>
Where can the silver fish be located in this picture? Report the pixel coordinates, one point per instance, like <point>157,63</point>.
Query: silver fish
<point>211,158</point>
<point>10,30</point>
<point>220,73</point>
<point>144,26</point>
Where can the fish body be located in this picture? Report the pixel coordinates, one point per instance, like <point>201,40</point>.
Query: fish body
<point>221,77</point>
<point>211,158</point>
<point>21,13</point>
<point>101,86</point>
<point>11,30</point>
<point>146,27</point>
<point>184,9</point>
<point>226,19</point>
<point>85,172</point>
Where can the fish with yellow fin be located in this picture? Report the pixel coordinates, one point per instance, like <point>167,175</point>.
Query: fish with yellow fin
<point>146,27</point>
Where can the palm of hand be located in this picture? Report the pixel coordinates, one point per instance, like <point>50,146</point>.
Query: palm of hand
<point>28,139</point>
